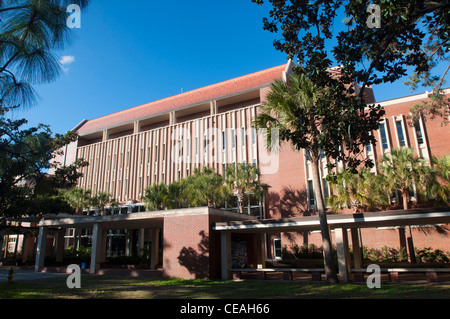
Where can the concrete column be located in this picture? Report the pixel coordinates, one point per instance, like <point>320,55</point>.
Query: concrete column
<point>136,127</point>
<point>213,108</point>
<point>104,243</point>
<point>25,248</point>
<point>128,242</point>
<point>260,255</point>
<point>2,236</point>
<point>97,248</point>
<point>172,118</point>
<point>40,252</point>
<point>155,248</point>
<point>225,251</point>
<point>60,240</point>
<point>342,253</point>
<point>141,241</point>
<point>357,255</point>
<point>105,136</point>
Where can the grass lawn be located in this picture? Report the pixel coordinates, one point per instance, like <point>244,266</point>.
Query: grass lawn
<point>115,287</point>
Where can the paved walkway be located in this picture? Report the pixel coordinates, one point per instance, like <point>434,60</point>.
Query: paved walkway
<point>27,275</point>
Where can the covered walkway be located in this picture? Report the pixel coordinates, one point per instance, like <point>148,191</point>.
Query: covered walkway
<point>189,248</point>
<point>341,224</point>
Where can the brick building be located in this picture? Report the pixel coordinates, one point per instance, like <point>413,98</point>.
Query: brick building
<point>165,140</point>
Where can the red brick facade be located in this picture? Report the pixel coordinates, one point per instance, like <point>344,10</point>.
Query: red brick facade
<point>191,249</point>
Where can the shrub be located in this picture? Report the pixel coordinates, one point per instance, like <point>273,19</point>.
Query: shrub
<point>428,255</point>
<point>385,254</point>
<point>304,251</point>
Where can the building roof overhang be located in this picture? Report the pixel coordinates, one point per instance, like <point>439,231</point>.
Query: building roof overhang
<point>218,91</point>
<point>149,219</point>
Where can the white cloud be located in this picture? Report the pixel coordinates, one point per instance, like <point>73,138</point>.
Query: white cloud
<point>66,61</point>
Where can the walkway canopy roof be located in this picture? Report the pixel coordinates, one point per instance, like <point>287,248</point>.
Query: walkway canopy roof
<point>363,220</point>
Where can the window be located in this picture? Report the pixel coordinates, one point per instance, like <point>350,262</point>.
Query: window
<point>326,190</point>
<point>188,147</point>
<point>196,146</point>
<point>400,133</point>
<point>277,250</point>
<point>311,197</point>
<point>243,136</point>
<point>223,141</point>
<point>205,144</point>
<point>368,148</point>
<point>233,139</point>
<point>322,154</point>
<point>419,133</point>
<point>307,155</point>
<point>384,138</point>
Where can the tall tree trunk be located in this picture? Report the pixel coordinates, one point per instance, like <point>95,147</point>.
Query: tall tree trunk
<point>411,249</point>
<point>240,198</point>
<point>405,195</point>
<point>330,269</point>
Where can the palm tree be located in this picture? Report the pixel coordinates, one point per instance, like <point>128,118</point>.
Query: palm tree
<point>101,200</point>
<point>357,190</point>
<point>244,180</point>
<point>178,193</point>
<point>78,198</point>
<point>206,187</point>
<point>291,110</point>
<point>402,170</point>
<point>437,180</point>
<point>157,197</point>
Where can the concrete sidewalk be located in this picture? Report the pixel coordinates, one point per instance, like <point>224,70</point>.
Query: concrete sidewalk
<point>27,275</point>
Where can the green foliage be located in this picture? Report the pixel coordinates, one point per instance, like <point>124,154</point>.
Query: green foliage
<point>428,255</point>
<point>30,32</point>
<point>205,188</point>
<point>385,254</point>
<point>360,190</point>
<point>401,170</point>
<point>244,180</point>
<point>304,251</point>
<point>80,252</point>
<point>25,155</point>
<point>414,35</point>
<point>437,180</point>
<point>77,198</point>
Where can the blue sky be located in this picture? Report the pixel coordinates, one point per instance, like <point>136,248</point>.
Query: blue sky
<point>134,52</point>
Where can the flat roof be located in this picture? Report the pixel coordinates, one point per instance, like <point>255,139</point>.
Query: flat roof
<point>150,219</point>
<point>360,220</point>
